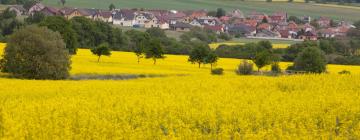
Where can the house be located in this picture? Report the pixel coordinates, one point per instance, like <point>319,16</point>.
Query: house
<point>36,8</point>
<point>327,33</point>
<point>285,34</point>
<point>307,28</point>
<point>180,26</point>
<point>176,16</point>
<point>264,26</point>
<point>292,26</point>
<point>153,22</point>
<point>268,34</point>
<point>196,14</point>
<point>217,29</point>
<point>204,21</point>
<point>323,22</point>
<point>50,11</point>
<point>124,18</point>
<point>257,16</point>
<point>249,22</point>
<point>308,35</point>
<point>18,9</point>
<point>306,19</point>
<point>241,29</point>
<point>145,17</point>
<point>237,14</point>
<point>106,16</point>
<point>75,12</point>
<point>278,17</point>
<point>224,19</point>
<point>195,22</point>
<point>163,22</point>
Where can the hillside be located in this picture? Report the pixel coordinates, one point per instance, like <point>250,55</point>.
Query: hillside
<point>298,9</point>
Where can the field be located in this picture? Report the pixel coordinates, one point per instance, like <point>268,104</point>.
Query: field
<point>298,9</point>
<point>187,103</point>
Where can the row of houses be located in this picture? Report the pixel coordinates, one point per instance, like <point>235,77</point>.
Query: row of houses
<point>235,22</point>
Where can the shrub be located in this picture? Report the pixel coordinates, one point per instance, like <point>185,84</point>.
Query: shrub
<point>275,68</point>
<point>311,59</point>
<point>344,72</point>
<point>217,71</point>
<point>245,68</point>
<point>37,53</point>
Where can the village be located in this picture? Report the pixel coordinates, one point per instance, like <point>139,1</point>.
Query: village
<point>277,25</point>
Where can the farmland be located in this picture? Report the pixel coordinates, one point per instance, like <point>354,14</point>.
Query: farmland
<point>297,9</point>
<point>186,103</point>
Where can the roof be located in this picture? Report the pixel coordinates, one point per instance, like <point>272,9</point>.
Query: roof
<point>214,28</point>
<point>19,7</point>
<point>105,14</point>
<point>284,33</point>
<point>83,12</point>
<point>52,10</point>
<point>181,25</point>
<point>125,14</point>
<point>241,28</point>
<point>264,26</point>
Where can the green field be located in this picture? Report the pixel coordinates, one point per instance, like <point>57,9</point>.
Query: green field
<point>298,9</point>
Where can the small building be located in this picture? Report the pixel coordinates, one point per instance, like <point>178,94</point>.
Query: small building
<point>124,18</point>
<point>18,9</point>
<point>50,11</point>
<point>217,28</point>
<point>241,30</point>
<point>180,26</point>
<point>323,22</point>
<point>106,16</point>
<point>268,34</point>
<point>36,8</point>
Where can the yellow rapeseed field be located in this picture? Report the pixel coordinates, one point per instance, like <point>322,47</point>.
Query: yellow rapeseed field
<point>188,103</point>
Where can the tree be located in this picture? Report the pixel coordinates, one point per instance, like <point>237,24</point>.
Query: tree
<point>63,26</point>
<point>139,51</point>
<point>326,46</point>
<point>37,17</point>
<point>156,32</point>
<point>211,59</point>
<point>262,59</point>
<point>264,20</point>
<point>138,41</point>
<point>8,22</point>
<point>154,50</point>
<point>220,12</point>
<point>119,40</point>
<point>28,4</point>
<point>212,13</point>
<point>199,53</point>
<point>63,2</point>
<point>111,7</point>
<point>295,19</point>
<point>102,49</point>
<point>290,0</point>
<point>37,53</point>
<point>311,59</point>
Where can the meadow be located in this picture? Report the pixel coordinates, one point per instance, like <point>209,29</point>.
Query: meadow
<point>188,103</point>
<point>297,8</point>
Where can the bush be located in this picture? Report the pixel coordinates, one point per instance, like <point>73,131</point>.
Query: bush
<point>245,68</point>
<point>36,53</point>
<point>311,59</point>
<point>344,72</point>
<point>275,68</point>
<point>217,71</point>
